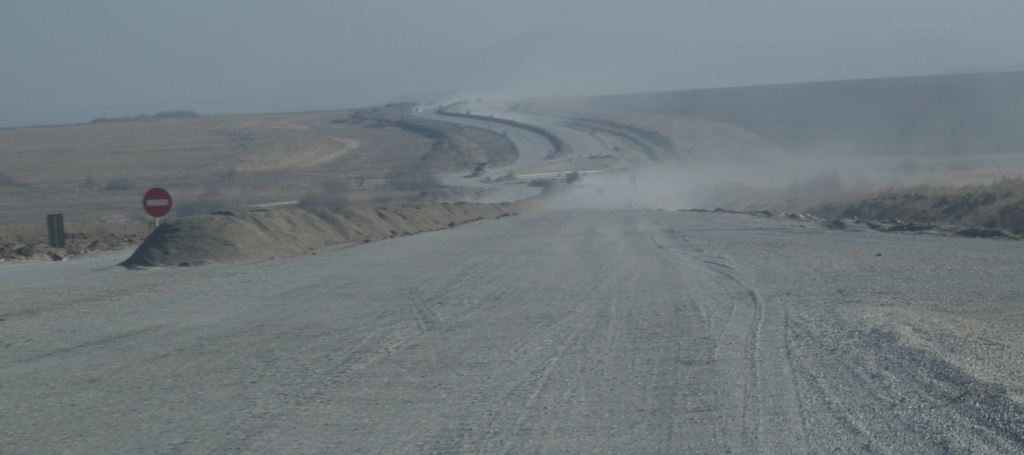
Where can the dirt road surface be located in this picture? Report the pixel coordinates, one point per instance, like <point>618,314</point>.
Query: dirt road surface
<point>584,327</point>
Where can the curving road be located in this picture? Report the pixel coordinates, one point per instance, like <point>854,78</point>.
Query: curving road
<point>585,326</point>
<point>533,152</point>
<point>532,147</point>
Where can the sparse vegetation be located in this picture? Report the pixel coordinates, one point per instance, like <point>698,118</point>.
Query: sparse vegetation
<point>30,241</point>
<point>572,177</point>
<point>242,159</point>
<point>996,206</point>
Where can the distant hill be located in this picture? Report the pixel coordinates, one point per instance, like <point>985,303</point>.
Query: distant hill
<point>928,115</point>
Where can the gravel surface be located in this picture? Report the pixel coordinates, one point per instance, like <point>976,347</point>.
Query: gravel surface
<point>571,329</point>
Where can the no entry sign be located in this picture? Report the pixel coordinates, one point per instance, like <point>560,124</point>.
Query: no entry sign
<point>157,202</point>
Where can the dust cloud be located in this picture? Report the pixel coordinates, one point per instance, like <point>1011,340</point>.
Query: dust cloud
<point>786,185</point>
<point>791,147</point>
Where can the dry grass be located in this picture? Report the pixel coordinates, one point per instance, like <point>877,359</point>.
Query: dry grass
<point>91,171</point>
<point>97,171</point>
<point>999,205</point>
<point>30,241</point>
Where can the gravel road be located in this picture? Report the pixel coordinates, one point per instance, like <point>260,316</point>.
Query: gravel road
<point>582,327</point>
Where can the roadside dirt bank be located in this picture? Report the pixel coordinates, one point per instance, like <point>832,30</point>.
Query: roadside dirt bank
<point>997,207</point>
<point>30,242</point>
<point>890,225</point>
<point>265,234</point>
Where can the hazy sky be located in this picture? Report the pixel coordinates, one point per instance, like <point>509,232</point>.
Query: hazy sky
<point>67,61</point>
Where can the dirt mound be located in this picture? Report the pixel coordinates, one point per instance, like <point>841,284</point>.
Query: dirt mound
<point>263,234</point>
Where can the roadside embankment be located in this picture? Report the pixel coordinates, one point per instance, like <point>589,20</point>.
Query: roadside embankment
<point>30,242</point>
<point>265,234</point>
<point>998,206</point>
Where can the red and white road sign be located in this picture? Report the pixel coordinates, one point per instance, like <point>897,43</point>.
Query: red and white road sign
<point>157,202</point>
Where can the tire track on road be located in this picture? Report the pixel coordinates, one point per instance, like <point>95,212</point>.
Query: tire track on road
<point>767,413</point>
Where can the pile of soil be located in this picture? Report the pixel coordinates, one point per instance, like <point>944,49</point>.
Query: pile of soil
<point>264,234</point>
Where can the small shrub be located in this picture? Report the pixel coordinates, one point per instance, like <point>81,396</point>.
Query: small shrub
<point>572,177</point>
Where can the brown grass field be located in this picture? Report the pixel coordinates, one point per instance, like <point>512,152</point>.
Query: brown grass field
<point>89,172</point>
<point>99,171</point>
<point>93,171</point>
<point>999,205</point>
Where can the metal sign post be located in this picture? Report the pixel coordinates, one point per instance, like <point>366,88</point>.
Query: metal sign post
<point>55,227</point>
